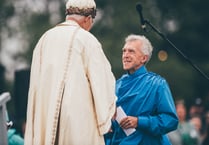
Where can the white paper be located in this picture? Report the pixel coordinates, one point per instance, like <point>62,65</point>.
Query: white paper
<point>119,116</point>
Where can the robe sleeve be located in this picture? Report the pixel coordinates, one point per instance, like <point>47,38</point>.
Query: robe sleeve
<point>165,118</point>
<point>34,78</point>
<point>102,84</point>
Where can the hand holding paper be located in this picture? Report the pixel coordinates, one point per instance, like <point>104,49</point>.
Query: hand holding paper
<point>120,115</point>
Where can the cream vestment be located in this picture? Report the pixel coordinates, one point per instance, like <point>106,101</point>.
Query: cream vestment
<point>72,89</point>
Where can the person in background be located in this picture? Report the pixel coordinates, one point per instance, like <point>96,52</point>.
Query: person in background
<point>206,139</point>
<point>206,135</point>
<point>186,134</point>
<point>197,122</point>
<point>197,108</point>
<point>13,137</point>
<point>72,88</point>
<point>145,97</point>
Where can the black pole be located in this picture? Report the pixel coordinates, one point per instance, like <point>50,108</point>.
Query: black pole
<point>179,51</point>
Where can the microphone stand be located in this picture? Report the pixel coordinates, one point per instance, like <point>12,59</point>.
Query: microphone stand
<point>179,51</point>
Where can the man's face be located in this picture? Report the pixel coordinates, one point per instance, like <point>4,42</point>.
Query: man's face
<point>132,57</point>
<point>181,112</point>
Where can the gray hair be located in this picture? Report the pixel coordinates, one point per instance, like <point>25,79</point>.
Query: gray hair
<point>146,44</point>
<point>75,16</point>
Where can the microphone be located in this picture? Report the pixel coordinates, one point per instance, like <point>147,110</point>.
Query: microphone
<point>139,9</point>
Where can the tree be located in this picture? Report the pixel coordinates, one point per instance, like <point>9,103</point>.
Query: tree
<point>183,22</point>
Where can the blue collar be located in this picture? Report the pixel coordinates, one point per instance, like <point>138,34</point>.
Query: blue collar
<point>141,70</point>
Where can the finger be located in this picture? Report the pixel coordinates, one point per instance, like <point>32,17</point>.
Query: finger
<point>123,121</point>
<point>125,124</point>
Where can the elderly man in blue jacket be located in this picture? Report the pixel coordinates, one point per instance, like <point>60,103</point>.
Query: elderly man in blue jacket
<point>145,98</point>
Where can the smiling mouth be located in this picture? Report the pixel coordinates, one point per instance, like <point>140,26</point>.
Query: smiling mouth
<point>126,61</point>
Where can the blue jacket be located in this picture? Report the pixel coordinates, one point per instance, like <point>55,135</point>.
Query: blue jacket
<point>147,96</point>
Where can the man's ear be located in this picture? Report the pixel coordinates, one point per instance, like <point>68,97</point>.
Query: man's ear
<point>86,19</point>
<point>144,59</point>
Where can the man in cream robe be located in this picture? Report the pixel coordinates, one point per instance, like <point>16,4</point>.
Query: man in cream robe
<point>71,96</point>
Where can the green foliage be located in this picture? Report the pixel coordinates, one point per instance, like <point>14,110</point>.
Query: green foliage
<point>183,22</point>
<point>190,36</point>
<point>36,27</point>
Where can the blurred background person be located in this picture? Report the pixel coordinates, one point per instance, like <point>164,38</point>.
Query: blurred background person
<point>206,137</point>
<point>196,108</point>
<point>186,133</point>
<point>197,122</point>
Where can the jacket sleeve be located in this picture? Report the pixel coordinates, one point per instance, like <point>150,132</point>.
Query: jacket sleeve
<point>102,84</point>
<point>165,118</point>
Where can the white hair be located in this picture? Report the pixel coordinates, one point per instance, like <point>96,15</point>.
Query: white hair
<point>146,47</point>
<point>75,16</point>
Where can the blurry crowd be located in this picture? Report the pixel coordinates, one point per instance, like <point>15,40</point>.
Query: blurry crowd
<point>193,128</point>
